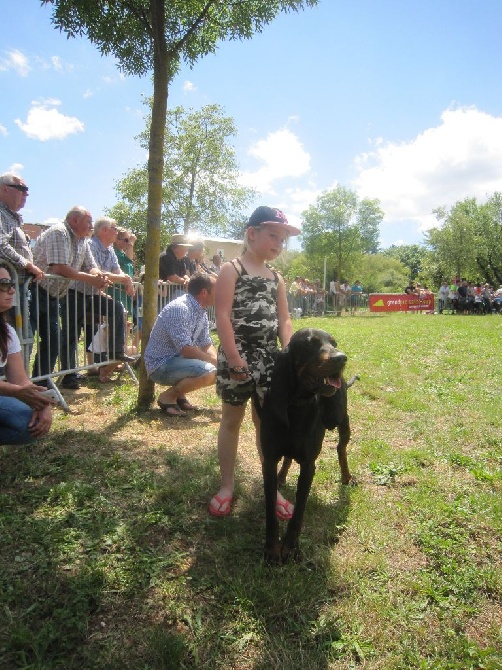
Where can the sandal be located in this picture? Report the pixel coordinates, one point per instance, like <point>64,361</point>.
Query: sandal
<point>284,510</point>
<point>185,405</point>
<point>170,409</point>
<point>220,506</point>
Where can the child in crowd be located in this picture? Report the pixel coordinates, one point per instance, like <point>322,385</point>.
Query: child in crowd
<point>251,315</point>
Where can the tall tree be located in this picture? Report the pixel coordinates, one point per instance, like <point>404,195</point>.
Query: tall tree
<point>489,233</point>
<point>157,35</point>
<point>469,242</point>
<point>452,244</point>
<point>200,190</point>
<point>369,218</point>
<point>340,228</point>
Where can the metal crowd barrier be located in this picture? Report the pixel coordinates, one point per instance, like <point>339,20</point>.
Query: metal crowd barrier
<point>312,304</point>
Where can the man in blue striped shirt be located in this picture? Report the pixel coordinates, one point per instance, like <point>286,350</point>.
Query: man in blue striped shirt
<point>180,353</point>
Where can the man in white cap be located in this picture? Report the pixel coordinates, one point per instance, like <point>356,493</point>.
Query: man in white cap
<point>171,264</point>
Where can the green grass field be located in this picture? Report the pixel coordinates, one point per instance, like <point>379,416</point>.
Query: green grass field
<point>109,559</point>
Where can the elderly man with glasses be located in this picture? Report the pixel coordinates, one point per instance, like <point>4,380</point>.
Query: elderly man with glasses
<point>14,244</point>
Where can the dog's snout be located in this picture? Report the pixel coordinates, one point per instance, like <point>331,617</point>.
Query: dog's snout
<point>338,356</point>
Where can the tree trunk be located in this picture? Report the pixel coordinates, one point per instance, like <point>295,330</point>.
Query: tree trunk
<point>155,171</point>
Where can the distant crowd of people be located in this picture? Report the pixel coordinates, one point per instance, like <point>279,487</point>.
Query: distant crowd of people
<point>466,297</point>
<point>461,296</point>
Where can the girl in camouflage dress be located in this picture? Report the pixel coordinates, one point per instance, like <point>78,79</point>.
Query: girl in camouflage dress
<point>251,316</point>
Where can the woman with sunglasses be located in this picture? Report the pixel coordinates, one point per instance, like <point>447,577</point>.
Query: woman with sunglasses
<point>25,413</point>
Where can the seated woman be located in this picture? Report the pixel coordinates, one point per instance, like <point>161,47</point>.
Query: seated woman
<point>25,414</point>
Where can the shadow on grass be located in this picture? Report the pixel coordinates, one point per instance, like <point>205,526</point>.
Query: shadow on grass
<point>109,559</point>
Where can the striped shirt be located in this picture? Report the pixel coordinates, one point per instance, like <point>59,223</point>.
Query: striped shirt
<point>14,245</point>
<point>182,322</point>
<point>59,245</point>
<point>106,260</point>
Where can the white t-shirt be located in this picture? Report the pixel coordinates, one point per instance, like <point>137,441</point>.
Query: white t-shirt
<point>13,344</point>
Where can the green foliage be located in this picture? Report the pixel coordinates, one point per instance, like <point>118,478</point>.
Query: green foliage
<point>411,256</point>
<point>469,243</point>
<point>369,218</point>
<point>377,272</point>
<point>380,274</point>
<point>191,28</point>
<point>340,228</point>
<point>200,189</point>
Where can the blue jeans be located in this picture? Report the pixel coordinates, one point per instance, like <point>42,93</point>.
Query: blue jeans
<point>14,419</point>
<point>175,369</point>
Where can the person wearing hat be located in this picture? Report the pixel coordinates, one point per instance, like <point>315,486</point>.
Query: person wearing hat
<point>171,263</point>
<point>252,316</point>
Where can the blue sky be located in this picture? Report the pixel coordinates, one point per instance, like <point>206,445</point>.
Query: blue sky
<point>398,100</point>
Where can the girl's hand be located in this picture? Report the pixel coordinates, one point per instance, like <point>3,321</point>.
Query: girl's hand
<point>239,369</point>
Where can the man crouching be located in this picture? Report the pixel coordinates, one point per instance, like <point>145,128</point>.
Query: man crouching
<point>180,353</point>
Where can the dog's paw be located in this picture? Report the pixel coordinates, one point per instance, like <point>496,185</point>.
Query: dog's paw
<point>272,554</point>
<point>291,554</point>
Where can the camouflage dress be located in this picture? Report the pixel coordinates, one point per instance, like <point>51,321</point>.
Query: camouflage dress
<point>255,324</point>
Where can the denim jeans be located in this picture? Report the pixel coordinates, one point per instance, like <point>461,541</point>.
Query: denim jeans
<point>177,368</point>
<point>14,419</point>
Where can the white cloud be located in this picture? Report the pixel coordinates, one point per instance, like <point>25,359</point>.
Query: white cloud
<point>282,156</point>
<point>46,102</point>
<point>3,130</point>
<point>457,159</point>
<point>45,122</point>
<point>56,63</point>
<point>189,86</point>
<point>17,61</point>
<point>88,93</point>
<point>53,63</point>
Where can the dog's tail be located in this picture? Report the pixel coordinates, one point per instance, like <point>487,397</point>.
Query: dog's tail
<point>352,380</point>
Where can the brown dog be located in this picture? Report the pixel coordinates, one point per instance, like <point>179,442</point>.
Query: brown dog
<point>307,396</point>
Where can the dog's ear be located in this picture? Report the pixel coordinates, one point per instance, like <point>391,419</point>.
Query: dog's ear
<point>334,408</point>
<point>282,386</point>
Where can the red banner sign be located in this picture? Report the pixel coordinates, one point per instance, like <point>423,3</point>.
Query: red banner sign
<point>400,302</point>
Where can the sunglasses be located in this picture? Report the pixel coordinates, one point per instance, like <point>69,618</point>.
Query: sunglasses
<point>124,239</point>
<point>18,187</point>
<point>6,285</point>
